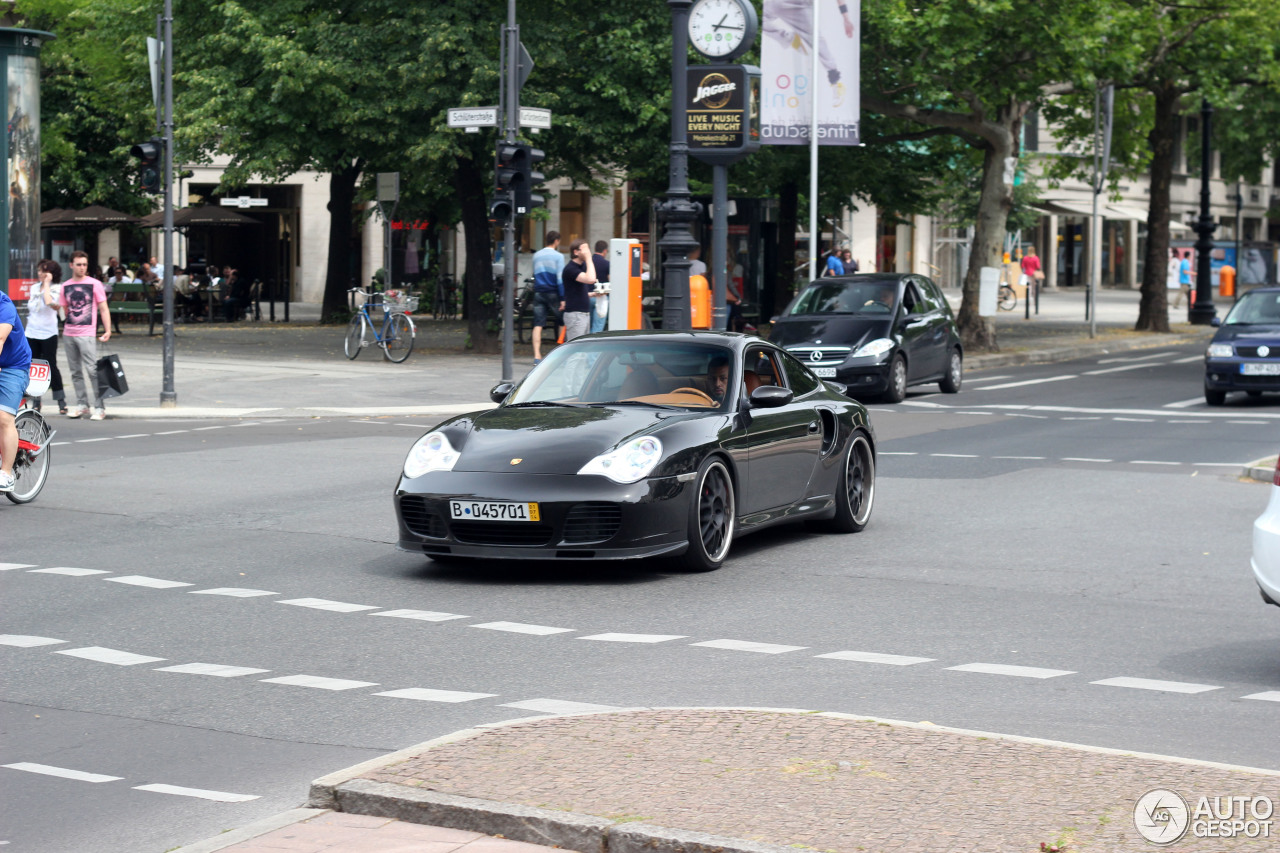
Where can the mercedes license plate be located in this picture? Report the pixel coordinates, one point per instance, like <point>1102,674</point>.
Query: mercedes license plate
<point>493,511</point>
<point>1260,369</point>
<point>824,372</point>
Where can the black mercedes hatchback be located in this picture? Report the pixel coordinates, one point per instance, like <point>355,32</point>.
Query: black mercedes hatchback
<point>876,334</point>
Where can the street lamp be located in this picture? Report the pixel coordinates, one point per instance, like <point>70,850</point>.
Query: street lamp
<point>679,211</point>
<point>1201,311</point>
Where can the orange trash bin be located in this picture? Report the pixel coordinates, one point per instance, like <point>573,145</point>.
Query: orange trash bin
<point>1227,280</point>
<point>699,302</point>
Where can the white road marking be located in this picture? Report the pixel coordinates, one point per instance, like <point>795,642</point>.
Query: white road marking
<point>424,694</point>
<point>1249,423</point>
<point>521,628</point>
<point>896,453</point>
<point>1150,462</point>
<point>1017,457</point>
<point>60,443</point>
<point>557,706</point>
<point>748,646</point>
<point>1078,410</point>
<point>1087,418</point>
<point>1083,459</point>
<point>216,669</point>
<point>1188,422</point>
<point>216,796</point>
<point>68,570</point>
<point>1136,420</point>
<point>982,414</point>
<point>876,657</point>
<point>136,435</point>
<point>421,615</point>
<point>1219,464</point>
<point>971,380</point>
<point>173,432</point>
<point>202,429</point>
<point>1147,357</point>
<point>8,567</point>
<point>1033,417</point>
<point>319,682</point>
<point>233,592</point>
<point>956,455</point>
<point>46,770</point>
<point>634,638</point>
<point>90,440</point>
<point>1118,369</point>
<point>142,580</point>
<point>1151,684</point>
<point>1267,696</point>
<point>1008,669</point>
<point>1031,382</point>
<point>1185,404</point>
<point>26,641</point>
<point>112,656</point>
<point>1188,359</point>
<point>326,604</point>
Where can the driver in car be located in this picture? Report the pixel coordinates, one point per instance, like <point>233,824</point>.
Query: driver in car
<point>883,297</point>
<point>718,378</point>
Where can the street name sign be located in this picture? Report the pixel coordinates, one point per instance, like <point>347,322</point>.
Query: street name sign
<point>470,117</point>
<point>535,117</point>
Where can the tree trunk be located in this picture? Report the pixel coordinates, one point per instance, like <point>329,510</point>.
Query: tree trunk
<point>788,211</point>
<point>481,298</point>
<point>342,195</point>
<point>1153,310</point>
<point>977,333</point>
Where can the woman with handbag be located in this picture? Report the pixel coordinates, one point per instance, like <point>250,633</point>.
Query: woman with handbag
<point>42,326</point>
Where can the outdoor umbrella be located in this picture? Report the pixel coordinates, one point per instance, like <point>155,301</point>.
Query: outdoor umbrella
<point>204,215</point>
<point>96,216</point>
<point>52,218</point>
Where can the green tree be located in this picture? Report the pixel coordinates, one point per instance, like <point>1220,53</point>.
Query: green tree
<point>974,69</point>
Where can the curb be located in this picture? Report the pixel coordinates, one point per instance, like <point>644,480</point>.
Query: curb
<point>251,831</point>
<point>1052,355</point>
<point>345,791</point>
<point>1263,470</point>
<point>310,412</point>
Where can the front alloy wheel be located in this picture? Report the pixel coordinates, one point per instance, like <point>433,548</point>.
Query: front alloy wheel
<point>712,518</point>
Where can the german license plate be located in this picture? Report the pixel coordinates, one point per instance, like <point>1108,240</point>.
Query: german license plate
<point>1260,369</point>
<point>824,372</point>
<point>493,511</point>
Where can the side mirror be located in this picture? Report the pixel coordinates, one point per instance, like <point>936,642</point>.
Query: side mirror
<point>1216,321</point>
<point>770,397</point>
<point>501,391</point>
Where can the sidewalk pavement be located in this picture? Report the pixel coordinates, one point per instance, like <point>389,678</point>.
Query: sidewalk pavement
<point>265,369</point>
<point>720,780</point>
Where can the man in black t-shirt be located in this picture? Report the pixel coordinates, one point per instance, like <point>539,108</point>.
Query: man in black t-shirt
<point>579,278</point>
<point>600,299</point>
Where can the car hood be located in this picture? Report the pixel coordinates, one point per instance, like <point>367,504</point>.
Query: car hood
<point>1248,334</point>
<point>553,440</point>
<point>852,330</point>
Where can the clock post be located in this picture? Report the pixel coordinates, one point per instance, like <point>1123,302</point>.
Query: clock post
<point>678,211</point>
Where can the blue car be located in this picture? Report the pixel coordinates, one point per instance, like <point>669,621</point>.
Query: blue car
<point>1245,353</point>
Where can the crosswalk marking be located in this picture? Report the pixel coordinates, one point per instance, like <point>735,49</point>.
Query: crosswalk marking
<point>216,669</point>
<point>748,646</point>
<point>319,682</point>
<point>1009,669</point>
<point>233,592</point>
<point>216,796</point>
<point>24,641</point>
<point>112,656</point>
<point>1153,684</point>
<point>424,694</point>
<point>420,615</point>
<point>1266,696</point>
<point>8,567</point>
<point>142,580</point>
<point>557,706</point>
<point>521,628</point>
<point>69,570</point>
<point>876,657</point>
<point>634,638</point>
<point>61,772</point>
<point>326,604</point>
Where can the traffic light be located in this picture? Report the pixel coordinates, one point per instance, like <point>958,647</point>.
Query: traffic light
<point>149,154</point>
<point>515,173</point>
<point>500,209</point>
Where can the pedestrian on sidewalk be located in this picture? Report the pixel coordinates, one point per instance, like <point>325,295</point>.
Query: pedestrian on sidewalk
<point>82,298</point>
<point>579,278</point>
<point>1185,276</point>
<point>548,289</point>
<point>600,295</point>
<point>42,326</point>
<point>15,373</point>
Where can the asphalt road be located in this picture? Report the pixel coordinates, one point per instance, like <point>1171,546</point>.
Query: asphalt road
<point>1047,547</point>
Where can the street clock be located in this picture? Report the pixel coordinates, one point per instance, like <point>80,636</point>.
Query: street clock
<point>722,29</point>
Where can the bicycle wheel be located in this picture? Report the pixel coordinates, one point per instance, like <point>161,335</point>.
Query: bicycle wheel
<point>1008,299</point>
<point>399,340</point>
<point>30,471</point>
<point>354,341</point>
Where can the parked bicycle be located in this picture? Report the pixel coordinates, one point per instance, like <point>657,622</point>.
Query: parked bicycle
<point>31,465</point>
<point>1008,297</point>
<point>524,317</point>
<point>393,331</point>
<point>444,306</point>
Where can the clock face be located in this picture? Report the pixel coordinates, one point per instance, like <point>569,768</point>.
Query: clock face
<point>718,27</point>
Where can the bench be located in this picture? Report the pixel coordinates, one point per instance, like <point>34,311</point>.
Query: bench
<point>133,299</point>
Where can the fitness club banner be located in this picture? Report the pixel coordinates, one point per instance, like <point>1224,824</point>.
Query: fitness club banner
<point>787,64</point>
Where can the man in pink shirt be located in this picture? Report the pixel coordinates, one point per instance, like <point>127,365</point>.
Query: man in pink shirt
<point>82,297</point>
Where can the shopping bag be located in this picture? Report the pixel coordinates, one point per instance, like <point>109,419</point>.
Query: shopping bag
<point>111,380</point>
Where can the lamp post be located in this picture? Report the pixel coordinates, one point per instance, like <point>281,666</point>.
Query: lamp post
<point>679,211</point>
<point>1201,312</point>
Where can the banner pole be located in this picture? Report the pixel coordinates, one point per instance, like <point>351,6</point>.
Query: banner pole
<point>813,144</point>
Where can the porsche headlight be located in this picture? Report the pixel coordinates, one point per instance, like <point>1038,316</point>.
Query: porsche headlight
<point>432,452</point>
<point>1221,351</point>
<point>626,464</point>
<point>878,348</point>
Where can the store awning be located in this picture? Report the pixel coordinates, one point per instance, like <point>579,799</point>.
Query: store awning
<point>1063,208</point>
<point>1113,212</point>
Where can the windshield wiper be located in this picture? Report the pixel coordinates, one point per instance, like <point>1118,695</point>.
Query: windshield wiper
<point>538,403</point>
<point>635,403</point>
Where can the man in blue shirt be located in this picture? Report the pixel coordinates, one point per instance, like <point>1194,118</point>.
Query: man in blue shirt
<point>15,372</point>
<point>548,289</point>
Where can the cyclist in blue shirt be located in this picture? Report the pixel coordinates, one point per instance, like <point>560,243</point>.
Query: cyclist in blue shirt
<point>548,289</point>
<point>15,372</point>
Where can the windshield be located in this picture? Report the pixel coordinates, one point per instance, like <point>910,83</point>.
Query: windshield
<point>1256,308</point>
<point>627,371</point>
<point>844,297</point>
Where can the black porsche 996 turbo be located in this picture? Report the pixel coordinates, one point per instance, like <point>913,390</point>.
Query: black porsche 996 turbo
<point>640,444</point>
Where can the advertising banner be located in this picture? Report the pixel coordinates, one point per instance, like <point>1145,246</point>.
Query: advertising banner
<point>787,65</point>
<point>723,109</point>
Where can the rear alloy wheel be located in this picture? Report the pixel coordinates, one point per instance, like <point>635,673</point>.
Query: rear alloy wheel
<point>897,390</point>
<point>1214,398</point>
<point>950,383</point>
<point>712,518</point>
<point>857,489</point>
